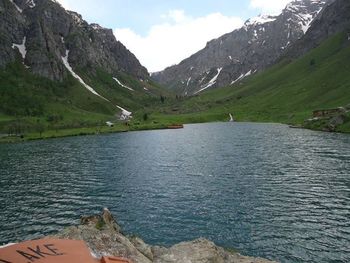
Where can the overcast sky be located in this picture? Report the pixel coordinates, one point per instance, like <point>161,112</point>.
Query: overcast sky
<point>164,32</point>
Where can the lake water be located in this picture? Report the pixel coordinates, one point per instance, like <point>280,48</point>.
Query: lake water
<point>264,189</point>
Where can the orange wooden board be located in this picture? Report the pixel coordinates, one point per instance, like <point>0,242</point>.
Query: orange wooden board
<point>114,260</point>
<point>47,251</point>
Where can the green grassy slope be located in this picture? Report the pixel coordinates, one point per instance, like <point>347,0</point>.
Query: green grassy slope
<point>30,103</point>
<point>287,92</point>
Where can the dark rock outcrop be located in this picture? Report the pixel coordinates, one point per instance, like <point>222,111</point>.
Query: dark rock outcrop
<point>252,48</point>
<point>103,236</point>
<point>45,31</point>
<point>335,18</point>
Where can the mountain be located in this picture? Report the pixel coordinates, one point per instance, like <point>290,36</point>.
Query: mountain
<point>250,49</point>
<point>45,31</point>
<point>312,75</point>
<point>53,63</point>
<point>334,19</point>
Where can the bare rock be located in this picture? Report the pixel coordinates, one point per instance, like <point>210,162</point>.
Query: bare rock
<point>103,236</point>
<point>200,251</point>
<point>142,247</point>
<point>228,59</point>
<point>47,31</point>
<point>105,220</point>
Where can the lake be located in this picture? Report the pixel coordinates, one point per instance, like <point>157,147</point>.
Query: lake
<point>264,189</point>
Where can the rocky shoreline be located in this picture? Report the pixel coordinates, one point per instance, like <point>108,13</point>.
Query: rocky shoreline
<point>104,236</point>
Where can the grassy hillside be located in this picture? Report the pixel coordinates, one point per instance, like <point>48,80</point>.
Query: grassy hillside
<point>31,104</point>
<point>288,92</point>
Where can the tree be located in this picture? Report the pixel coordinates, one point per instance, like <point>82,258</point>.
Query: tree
<point>54,119</point>
<point>312,62</point>
<point>145,117</point>
<point>40,128</point>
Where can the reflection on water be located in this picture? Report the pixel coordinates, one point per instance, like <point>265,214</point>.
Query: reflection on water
<point>265,189</point>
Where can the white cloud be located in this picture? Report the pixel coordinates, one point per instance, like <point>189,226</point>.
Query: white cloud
<point>176,38</point>
<point>64,3</point>
<point>177,15</point>
<point>269,6</point>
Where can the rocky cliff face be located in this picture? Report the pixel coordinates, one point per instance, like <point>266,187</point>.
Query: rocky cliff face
<point>335,18</point>
<point>40,32</point>
<point>255,46</point>
<point>103,236</point>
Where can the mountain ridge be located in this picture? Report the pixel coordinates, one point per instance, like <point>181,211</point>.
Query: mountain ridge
<point>233,56</point>
<point>47,30</point>
<point>60,71</point>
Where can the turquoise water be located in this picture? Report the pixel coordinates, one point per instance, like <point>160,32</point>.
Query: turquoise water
<point>264,189</point>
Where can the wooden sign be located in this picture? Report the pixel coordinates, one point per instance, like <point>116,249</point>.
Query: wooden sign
<point>52,251</point>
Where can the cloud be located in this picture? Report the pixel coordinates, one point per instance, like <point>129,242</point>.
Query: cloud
<point>269,6</point>
<point>176,38</point>
<point>64,3</point>
<point>177,15</point>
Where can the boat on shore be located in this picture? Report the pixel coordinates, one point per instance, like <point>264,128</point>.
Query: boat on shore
<point>175,126</point>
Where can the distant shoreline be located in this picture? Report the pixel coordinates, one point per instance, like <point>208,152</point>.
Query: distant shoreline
<point>89,131</point>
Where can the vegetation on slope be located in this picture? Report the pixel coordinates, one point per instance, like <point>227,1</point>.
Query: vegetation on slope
<point>37,107</point>
<point>288,92</point>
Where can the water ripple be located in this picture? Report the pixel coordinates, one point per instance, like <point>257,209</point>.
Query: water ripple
<point>265,189</point>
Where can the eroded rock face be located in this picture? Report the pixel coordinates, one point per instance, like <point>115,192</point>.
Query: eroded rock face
<point>236,55</point>
<point>103,236</point>
<point>49,30</point>
<point>335,18</point>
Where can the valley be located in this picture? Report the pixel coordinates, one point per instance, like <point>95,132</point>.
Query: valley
<point>244,142</point>
<point>62,101</point>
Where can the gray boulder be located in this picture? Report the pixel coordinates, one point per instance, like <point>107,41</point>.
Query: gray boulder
<point>103,236</point>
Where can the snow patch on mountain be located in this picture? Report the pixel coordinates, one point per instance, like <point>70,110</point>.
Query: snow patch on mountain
<point>125,113</point>
<point>188,81</point>
<point>304,17</point>
<point>202,79</point>
<point>21,48</point>
<point>30,3</point>
<point>242,76</point>
<point>259,20</point>
<point>305,21</point>
<point>286,45</point>
<point>66,64</point>
<point>211,82</point>
<point>121,84</point>
<point>17,7</point>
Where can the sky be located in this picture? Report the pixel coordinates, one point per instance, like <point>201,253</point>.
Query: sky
<point>162,33</point>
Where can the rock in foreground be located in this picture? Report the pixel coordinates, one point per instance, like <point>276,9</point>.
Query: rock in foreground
<point>103,236</point>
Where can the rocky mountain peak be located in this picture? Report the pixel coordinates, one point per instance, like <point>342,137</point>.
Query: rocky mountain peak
<point>303,12</point>
<point>45,31</point>
<point>252,48</point>
<point>259,20</point>
<point>335,18</point>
